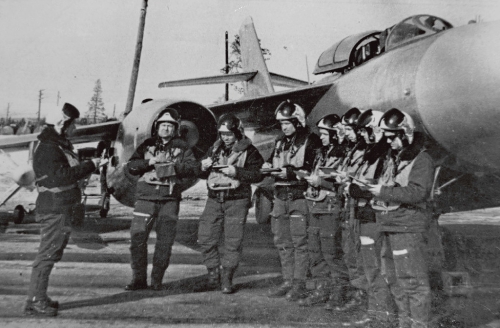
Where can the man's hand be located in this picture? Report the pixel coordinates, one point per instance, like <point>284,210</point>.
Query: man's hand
<point>96,161</point>
<point>267,165</point>
<point>230,171</point>
<point>374,189</point>
<point>206,164</point>
<point>281,174</point>
<point>103,162</point>
<point>313,180</point>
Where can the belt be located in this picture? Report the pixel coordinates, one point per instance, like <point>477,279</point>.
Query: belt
<point>289,183</point>
<point>224,195</point>
<point>288,193</point>
<point>56,189</point>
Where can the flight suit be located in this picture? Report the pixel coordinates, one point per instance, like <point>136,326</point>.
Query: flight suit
<point>222,223</point>
<point>324,232</point>
<point>289,218</point>
<point>403,218</point>
<point>380,304</point>
<point>351,226</point>
<point>157,203</point>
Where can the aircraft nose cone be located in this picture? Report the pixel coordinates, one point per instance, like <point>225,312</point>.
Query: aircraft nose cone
<point>458,93</point>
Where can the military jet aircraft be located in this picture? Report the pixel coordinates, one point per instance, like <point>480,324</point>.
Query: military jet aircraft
<point>446,77</point>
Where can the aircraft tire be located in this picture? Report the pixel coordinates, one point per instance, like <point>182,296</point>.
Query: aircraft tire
<point>103,213</point>
<point>19,214</point>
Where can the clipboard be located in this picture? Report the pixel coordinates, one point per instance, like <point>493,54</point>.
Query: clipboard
<point>329,171</point>
<point>302,174</point>
<point>218,167</point>
<point>363,182</point>
<point>268,171</point>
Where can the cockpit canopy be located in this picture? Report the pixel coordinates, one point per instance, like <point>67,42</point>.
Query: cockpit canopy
<point>347,52</point>
<point>414,28</point>
<point>359,48</point>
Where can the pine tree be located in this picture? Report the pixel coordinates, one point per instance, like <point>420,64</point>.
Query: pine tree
<point>96,105</point>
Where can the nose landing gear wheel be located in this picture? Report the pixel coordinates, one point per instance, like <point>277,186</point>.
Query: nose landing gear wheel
<point>103,213</point>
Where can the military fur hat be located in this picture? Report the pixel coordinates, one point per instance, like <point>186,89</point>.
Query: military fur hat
<point>70,111</point>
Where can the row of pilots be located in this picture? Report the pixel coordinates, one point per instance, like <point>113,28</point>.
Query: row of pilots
<point>349,210</point>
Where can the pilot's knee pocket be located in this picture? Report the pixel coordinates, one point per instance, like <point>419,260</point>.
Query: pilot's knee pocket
<point>140,223</point>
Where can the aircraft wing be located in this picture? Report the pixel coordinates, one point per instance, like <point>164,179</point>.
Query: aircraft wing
<point>85,133</point>
<point>258,111</point>
<point>466,192</point>
<point>95,132</point>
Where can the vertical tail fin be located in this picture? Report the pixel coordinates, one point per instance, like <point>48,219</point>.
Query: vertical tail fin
<point>253,60</point>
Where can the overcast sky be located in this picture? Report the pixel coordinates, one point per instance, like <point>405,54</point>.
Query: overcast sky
<point>66,45</point>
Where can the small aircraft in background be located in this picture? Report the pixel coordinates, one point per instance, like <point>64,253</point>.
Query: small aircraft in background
<point>446,77</point>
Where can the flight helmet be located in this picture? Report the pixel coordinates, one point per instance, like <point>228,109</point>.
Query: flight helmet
<point>397,120</point>
<point>351,117</point>
<point>288,111</point>
<point>230,123</point>
<point>369,120</point>
<point>168,115</point>
<point>331,123</point>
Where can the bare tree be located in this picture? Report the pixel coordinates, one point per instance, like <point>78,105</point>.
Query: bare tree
<point>234,64</point>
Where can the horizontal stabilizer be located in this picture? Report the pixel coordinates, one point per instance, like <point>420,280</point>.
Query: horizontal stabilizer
<point>216,79</point>
<point>277,80</point>
<point>285,81</point>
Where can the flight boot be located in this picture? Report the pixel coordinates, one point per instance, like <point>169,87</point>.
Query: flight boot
<point>157,278</point>
<point>38,302</point>
<point>139,281</point>
<point>213,278</point>
<point>281,290</point>
<point>227,280</point>
<point>40,308</point>
<point>51,303</point>
<point>337,298</point>
<point>320,295</point>
<point>297,292</point>
<point>358,298</point>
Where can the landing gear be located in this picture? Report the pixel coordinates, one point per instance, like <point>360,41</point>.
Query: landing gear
<point>103,148</point>
<point>18,214</point>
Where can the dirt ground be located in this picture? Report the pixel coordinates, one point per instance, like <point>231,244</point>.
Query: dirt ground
<point>89,280</point>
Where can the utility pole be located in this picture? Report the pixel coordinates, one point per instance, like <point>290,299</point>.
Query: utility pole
<point>114,110</point>
<point>7,116</point>
<point>40,94</point>
<point>227,68</point>
<point>307,69</point>
<point>58,97</point>
<point>137,59</point>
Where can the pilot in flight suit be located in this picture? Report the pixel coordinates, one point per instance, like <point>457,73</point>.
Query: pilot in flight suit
<point>165,164</point>
<point>403,216</point>
<point>230,166</point>
<point>294,150</point>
